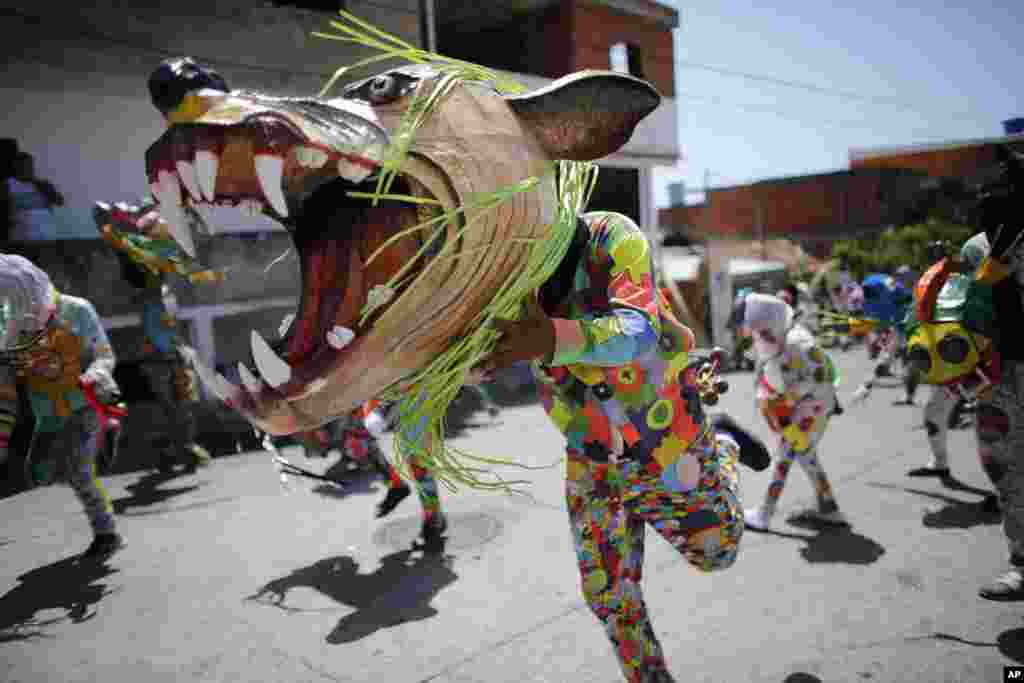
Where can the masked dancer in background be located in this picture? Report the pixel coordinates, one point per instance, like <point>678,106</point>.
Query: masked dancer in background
<point>797,395</point>
<point>56,345</point>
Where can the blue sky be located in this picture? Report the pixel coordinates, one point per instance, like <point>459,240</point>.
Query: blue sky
<point>959,70</point>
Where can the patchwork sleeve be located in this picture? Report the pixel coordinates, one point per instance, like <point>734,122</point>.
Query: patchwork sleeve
<point>97,345</point>
<point>619,248</point>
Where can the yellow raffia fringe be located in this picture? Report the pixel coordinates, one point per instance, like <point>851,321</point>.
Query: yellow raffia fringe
<point>421,430</point>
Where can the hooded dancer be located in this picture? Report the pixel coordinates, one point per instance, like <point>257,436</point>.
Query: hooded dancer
<point>887,304</point>
<point>797,395</point>
<point>943,401</point>
<point>147,255</point>
<point>611,365</point>
<point>56,345</point>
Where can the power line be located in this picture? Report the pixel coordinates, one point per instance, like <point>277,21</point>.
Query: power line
<point>780,113</point>
<point>819,89</point>
<point>84,31</point>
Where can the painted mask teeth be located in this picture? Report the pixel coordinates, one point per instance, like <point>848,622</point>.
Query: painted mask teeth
<point>311,157</point>
<point>250,207</point>
<point>251,382</point>
<point>340,337</point>
<point>168,194</point>
<point>286,324</point>
<point>187,173</point>
<point>274,370</point>
<point>354,173</point>
<point>207,164</point>
<point>270,173</point>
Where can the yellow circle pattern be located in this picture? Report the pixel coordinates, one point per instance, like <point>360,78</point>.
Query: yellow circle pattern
<point>660,414</point>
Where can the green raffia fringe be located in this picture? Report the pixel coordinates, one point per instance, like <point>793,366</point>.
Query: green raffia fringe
<point>421,429</point>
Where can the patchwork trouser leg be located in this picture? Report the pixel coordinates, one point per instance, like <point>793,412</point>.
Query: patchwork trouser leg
<point>936,424</point>
<point>609,506</point>
<point>801,445</point>
<point>80,439</point>
<point>1000,429</point>
<point>426,485</point>
<point>178,406</point>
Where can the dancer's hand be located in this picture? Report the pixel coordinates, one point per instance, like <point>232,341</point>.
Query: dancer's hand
<point>529,338</point>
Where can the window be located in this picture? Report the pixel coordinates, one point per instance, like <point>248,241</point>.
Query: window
<point>331,6</point>
<point>625,58</point>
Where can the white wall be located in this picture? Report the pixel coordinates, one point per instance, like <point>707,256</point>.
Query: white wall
<point>92,147</point>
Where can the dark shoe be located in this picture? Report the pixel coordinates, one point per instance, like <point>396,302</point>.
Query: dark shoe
<point>493,411</point>
<point>990,505</point>
<point>104,545</point>
<point>838,409</point>
<point>1007,588</point>
<point>195,457</point>
<point>396,494</point>
<point>753,453</point>
<point>941,472</point>
<point>814,516</point>
<point>433,530</point>
<point>883,370</point>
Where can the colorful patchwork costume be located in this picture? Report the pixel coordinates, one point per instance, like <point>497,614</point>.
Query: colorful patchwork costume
<point>950,301</point>
<point>640,448</point>
<point>981,351</point>
<point>796,391</point>
<point>55,344</point>
<point>148,255</point>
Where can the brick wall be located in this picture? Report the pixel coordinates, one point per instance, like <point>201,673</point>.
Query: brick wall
<point>807,208</point>
<point>595,29</point>
<point>954,162</point>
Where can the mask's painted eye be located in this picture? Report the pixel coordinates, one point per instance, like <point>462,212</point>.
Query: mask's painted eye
<point>953,349</point>
<point>383,89</point>
<point>919,359</point>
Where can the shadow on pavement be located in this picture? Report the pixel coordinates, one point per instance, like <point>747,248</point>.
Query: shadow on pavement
<point>954,484</point>
<point>801,677</point>
<point>352,481</point>
<point>956,514</point>
<point>146,491</point>
<point>398,591</point>
<point>70,584</point>
<point>831,544</point>
<point>1011,644</point>
<point>839,544</point>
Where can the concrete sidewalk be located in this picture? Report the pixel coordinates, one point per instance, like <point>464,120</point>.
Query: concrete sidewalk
<point>228,578</point>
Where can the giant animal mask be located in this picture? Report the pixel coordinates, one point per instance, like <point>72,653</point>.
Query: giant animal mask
<point>379,302</point>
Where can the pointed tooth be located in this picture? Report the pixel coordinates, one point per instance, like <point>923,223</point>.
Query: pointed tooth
<point>206,166</point>
<point>353,173</point>
<point>187,173</point>
<point>250,208</point>
<point>251,381</point>
<point>340,337</point>
<point>218,385</point>
<point>311,157</point>
<point>170,189</point>
<point>270,172</point>
<point>169,198</point>
<point>177,225</point>
<point>286,323</point>
<point>274,370</point>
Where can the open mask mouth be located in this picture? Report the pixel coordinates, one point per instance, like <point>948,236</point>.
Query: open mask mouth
<point>300,162</point>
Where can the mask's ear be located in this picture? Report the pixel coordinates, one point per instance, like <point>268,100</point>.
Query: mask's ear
<point>586,115</point>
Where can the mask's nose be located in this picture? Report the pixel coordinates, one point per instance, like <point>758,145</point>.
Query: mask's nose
<point>177,88</point>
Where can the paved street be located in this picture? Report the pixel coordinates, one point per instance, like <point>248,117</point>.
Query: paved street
<point>226,577</point>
